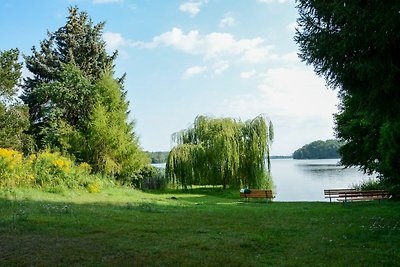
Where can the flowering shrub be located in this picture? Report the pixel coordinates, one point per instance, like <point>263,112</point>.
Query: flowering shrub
<point>51,169</point>
<point>48,170</point>
<point>85,167</point>
<point>93,187</point>
<point>12,169</point>
<point>31,158</point>
<point>10,157</point>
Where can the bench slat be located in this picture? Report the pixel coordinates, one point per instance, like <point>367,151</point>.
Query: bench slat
<point>359,198</point>
<point>334,193</point>
<point>258,193</point>
<point>346,195</point>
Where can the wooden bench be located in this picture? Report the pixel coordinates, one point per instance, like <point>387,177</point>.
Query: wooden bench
<point>363,195</point>
<point>258,193</point>
<point>334,193</point>
<point>348,195</point>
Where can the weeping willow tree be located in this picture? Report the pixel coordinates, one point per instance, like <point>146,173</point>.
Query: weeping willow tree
<point>222,151</point>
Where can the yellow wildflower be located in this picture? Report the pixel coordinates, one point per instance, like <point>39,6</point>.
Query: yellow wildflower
<point>94,187</point>
<point>85,167</point>
<point>62,165</point>
<point>32,158</point>
<point>11,157</point>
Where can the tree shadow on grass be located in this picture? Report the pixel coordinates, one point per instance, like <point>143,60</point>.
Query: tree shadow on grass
<point>158,230</point>
<point>133,233</point>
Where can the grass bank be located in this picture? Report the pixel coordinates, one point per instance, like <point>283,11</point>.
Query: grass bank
<point>208,227</point>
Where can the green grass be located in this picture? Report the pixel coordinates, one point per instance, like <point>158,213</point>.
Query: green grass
<point>208,227</point>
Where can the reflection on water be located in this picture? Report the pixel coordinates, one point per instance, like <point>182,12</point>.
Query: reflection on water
<point>305,180</point>
<point>324,170</point>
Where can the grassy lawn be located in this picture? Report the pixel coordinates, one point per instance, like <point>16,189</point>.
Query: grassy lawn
<point>209,227</point>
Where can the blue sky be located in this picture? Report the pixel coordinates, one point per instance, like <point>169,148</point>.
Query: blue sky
<point>230,58</point>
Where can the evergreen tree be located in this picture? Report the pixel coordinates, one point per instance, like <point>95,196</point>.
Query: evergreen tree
<point>10,74</point>
<point>78,43</point>
<point>76,106</point>
<point>354,44</point>
<point>111,145</point>
<point>13,115</point>
<point>67,105</point>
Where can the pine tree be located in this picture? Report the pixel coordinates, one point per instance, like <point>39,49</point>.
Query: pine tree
<point>77,43</point>
<point>75,104</point>
<point>10,74</point>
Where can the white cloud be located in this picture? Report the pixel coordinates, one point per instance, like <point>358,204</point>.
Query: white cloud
<point>291,57</point>
<point>247,74</point>
<point>297,102</point>
<point>253,50</point>
<point>227,21</point>
<point>113,40</point>
<point>293,92</point>
<point>274,1</point>
<point>255,54</point>
<point>176,38</point>
<point>106,1</point>
<point>218,43</point>
<point>195,70</point>
<point>220,66</point>
<point>191,7</point>
<point>213,45</point>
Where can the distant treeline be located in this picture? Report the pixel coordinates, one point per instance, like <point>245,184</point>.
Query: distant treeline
<point>281,157</point>
<point>162,156</point>
<point>158,157</point>
<point>328,149</point>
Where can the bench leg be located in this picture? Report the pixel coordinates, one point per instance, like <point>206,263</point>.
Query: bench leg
<point>345,201</point>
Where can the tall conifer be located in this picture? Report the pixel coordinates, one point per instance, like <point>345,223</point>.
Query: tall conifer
<point>75,104</point>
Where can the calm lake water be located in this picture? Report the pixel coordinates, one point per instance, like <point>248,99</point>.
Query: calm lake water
<point>305,180</point>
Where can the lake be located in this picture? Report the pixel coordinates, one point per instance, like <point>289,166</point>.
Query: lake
<point>305,180</point>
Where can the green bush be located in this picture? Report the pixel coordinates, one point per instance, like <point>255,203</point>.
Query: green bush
<point>155,180</point>
<point>370,184</point>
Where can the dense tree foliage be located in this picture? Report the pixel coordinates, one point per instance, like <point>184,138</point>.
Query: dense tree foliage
<point>13,115</point>
<point>354,44</point>
<point>75,104</point>
<point>13,124</point>
<point>10,73</point>
<point>68,103</point>
<point>111,143</point>
<point>328,149</point>
<point>78,43</point>
<point>222,151</point>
